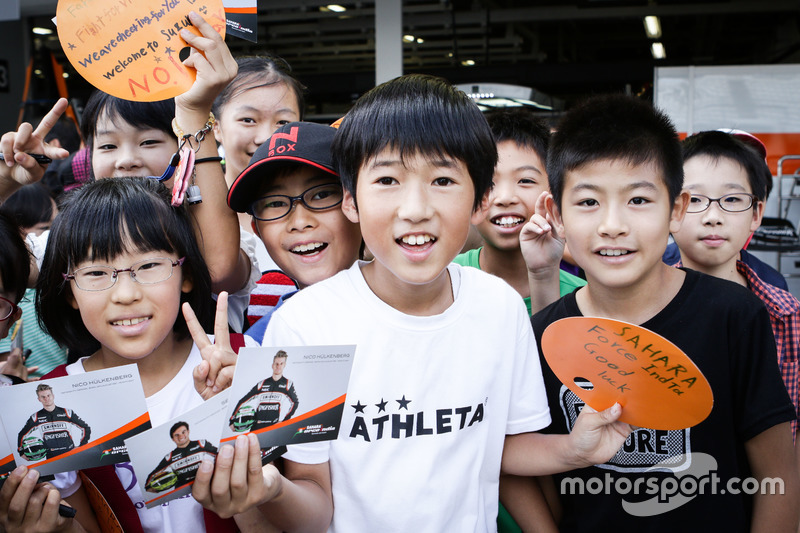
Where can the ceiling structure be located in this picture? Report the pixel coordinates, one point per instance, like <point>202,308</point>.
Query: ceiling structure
<point>560,48</point>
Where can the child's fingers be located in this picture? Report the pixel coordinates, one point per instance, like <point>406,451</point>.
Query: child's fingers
<point>195,329</point>
<point>201,489</point>
<point>221,482</point>
<point>222,336</point>
<point>18,504</point>
<point>239,470</point>
<point>224,377</point>
<point>541,204</point>
<point>51,118</point>
<point>200,375</point>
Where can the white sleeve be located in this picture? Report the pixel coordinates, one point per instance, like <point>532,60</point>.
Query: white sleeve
<point>37,244</point>
<point>310,453</point>
<point>239,300</point>
<point>67,483</point>
<point>528,410</point>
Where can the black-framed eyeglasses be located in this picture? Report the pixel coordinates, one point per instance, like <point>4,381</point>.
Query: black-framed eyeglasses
<point>7,308</point>
<point>732,203</point>
<point>316,198</point>
<point>102,277</point>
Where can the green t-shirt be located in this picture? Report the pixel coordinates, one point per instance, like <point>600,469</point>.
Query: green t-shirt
<point>567,283</point>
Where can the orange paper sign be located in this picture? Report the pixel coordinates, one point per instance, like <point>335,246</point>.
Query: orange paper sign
<point>130,48</point>
<point>605,361</point>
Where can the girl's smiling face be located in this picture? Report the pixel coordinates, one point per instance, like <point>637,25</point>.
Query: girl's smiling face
<point>131,320</point>
<point>121,149</point>
<point>249,118</point>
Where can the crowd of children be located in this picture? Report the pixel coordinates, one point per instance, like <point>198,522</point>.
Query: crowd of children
<point>454,420</point>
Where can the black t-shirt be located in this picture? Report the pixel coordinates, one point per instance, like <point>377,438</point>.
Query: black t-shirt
<point>726,331</point>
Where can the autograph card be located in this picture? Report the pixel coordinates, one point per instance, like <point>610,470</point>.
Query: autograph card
<point>74,422</point>
<point>7,463</point>
<point>165,459</point>
<point>289,395</point>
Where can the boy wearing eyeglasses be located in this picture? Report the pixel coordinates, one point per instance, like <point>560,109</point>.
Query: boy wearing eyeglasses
<point>294,196</point>
<point>727,180</point>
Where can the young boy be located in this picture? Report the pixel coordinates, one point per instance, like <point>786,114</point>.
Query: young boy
<point>728,183</point>
<point>294,195</point>
<point>615,172</point>
<point>446,380</point>
<point>518,181</point>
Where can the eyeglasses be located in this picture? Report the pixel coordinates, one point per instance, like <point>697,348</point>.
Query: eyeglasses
<point>278,206</point>
<point>7,308</point>
<point>732,203</point>
<point>101,277</point>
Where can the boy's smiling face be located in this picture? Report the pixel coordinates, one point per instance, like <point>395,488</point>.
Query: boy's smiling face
<point>616,218</point>
<point>415,214</point>
<point>710,241</point>
<point>309,246</point>
<point>519,178</point>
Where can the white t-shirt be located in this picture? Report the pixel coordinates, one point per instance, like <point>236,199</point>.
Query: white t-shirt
<point>429,403</point>
<point>177,397</point>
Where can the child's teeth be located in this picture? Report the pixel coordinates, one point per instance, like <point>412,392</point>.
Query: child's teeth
<point>508,221</point>
<point>613,252</point>
<point>130,321</point>
<point>307,247</point>
<point>414,240</point>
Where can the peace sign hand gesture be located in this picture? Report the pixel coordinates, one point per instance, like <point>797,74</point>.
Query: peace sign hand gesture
<point>215,372</point>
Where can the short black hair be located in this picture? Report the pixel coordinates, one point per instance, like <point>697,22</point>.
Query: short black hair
<point>261,71</point>
<point>615,127</point>
<point>156,115</point>
<point>15,259</point>
<point>30,205</point>
<point>416,114</point>
<point>102,220</point>
<point>718,144</point>
<point>522,127</point>
<point>176,426</point>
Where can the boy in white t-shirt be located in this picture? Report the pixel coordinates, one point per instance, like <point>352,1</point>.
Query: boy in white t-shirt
<point>446,387</point>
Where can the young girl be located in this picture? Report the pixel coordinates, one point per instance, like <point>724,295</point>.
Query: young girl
<point>139,138</point>
<point>121,262</point>
<point>262,97</point>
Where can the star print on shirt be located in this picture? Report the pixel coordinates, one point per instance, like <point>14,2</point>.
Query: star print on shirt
<point>381,406</point>
<point>359,407</point>
<point>403,402</point>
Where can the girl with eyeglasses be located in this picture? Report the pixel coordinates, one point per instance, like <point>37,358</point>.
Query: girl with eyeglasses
<point>122,263</point>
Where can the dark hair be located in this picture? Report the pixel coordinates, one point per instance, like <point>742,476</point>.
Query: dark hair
<point>41,387</point>
<point>176,426</point>
<point>522,127</point>
<point>30,205</point>
<point>143,115</point>
<point>718,144</point>
<point>15,259</point>
<point>107,218</point>
<point>416,114</point>
<point>261,71</point>
<point>615,127</point>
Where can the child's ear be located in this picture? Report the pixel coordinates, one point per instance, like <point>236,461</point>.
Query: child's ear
<point>15,316</point>
<point>217,131</point>
<point>349,207</point>
<point>254,225</point>
<point>679,211</point>
<point>71,300</point>
<point>758,214</point>
<point>186,285</point>
<point>480,212</point>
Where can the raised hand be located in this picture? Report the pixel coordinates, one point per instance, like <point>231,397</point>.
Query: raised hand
<point>214,64</point>
<point>215,372</point>
<point>542,247</point>
<point>19,168</point>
